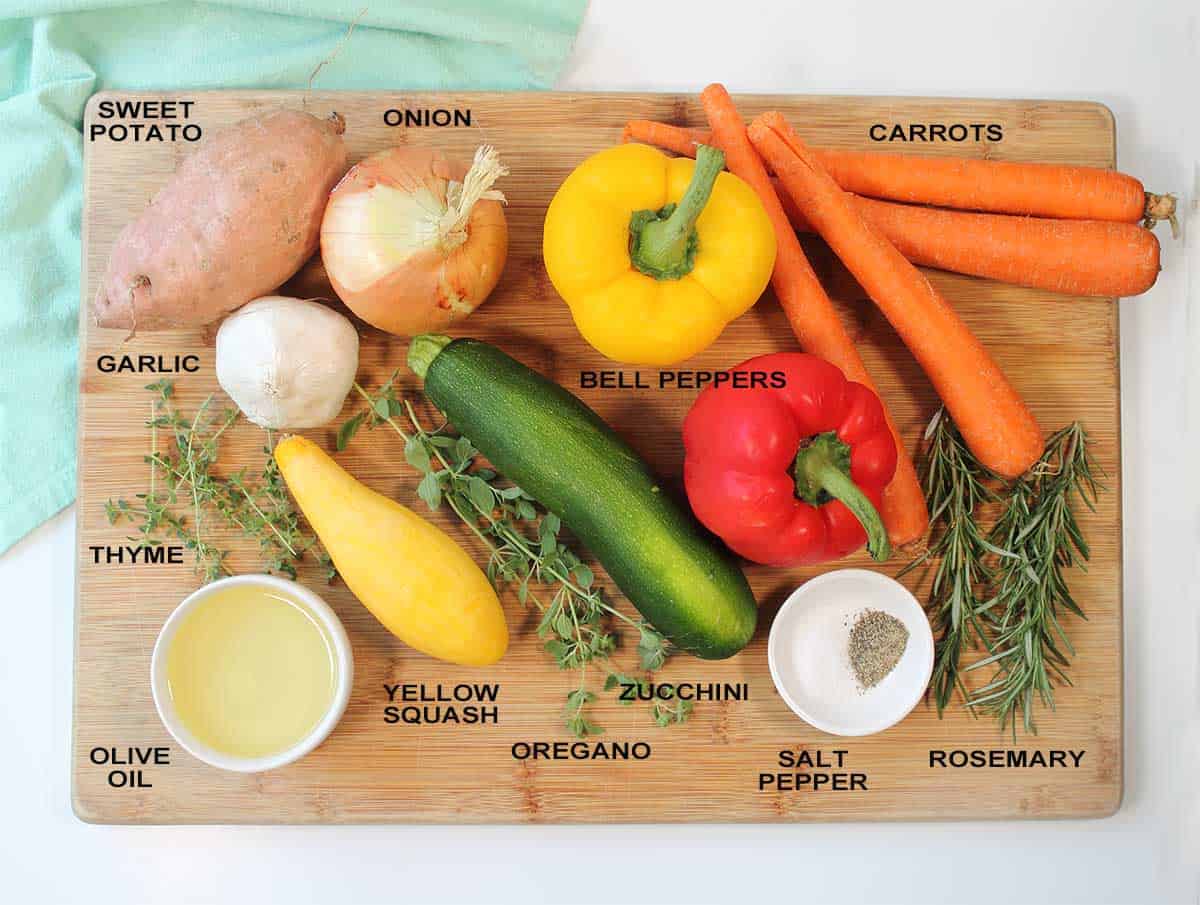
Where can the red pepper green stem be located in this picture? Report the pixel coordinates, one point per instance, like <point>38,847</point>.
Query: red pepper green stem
<point>423,350</point>
<point>822,470</point>
<point>663,243</point>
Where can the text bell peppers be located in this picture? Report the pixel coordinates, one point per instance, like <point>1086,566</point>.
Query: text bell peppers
<point>789,467</point>
<point>654,254</point>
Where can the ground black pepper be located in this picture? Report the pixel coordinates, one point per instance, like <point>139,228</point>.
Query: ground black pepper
<point>877,642</point>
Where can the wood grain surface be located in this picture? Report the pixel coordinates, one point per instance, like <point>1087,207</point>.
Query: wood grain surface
<point>1060,352</point>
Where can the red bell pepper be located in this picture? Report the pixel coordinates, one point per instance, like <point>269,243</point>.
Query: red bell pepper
<point>790,474</point>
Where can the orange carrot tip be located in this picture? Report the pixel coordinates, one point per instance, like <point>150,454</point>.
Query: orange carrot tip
<point>679,139</point>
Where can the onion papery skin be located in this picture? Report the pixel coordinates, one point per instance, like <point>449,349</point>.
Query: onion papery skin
<point>382,252</point>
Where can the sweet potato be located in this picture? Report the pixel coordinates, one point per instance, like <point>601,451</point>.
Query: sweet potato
<point>238,218</point>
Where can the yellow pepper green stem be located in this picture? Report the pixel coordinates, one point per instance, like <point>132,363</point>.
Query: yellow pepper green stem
<point>822,471</point>
<point>663,243</point>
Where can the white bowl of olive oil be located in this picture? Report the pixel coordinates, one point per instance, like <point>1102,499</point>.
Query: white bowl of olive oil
<point>251,673</point>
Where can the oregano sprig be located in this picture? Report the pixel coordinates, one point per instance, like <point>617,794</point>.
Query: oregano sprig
<point>525,551</point>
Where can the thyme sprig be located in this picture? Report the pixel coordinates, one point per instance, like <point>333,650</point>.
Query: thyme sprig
<point>183,491</point>
<point>525,550</point>
<point>1004,589</point>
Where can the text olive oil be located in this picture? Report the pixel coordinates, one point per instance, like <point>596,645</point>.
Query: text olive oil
<point>251,672</point>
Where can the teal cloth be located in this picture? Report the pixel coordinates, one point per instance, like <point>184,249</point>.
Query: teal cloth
<point>55,53</point>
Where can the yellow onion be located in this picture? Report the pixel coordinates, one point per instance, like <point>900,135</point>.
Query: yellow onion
<point>412,241</point>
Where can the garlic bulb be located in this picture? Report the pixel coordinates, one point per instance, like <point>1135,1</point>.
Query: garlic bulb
<point>287,363</point>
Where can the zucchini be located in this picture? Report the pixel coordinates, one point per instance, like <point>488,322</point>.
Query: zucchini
<point>558,450</point>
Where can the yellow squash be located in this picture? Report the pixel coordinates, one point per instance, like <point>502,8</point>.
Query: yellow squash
<point>413,577</point>
<point>655,255</point>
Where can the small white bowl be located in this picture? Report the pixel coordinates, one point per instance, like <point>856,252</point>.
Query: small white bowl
<point>336,634</point>
<point>810,664</point>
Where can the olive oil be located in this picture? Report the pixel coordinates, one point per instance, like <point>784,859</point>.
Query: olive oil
<point>251,672</point>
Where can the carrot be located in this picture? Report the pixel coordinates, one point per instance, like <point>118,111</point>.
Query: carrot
<point>810,312</point>
<point>1080,257</point>
<point>1037,189</point>
<point>1040,189</point>
<point>994,421</point>
<point>679,139</point>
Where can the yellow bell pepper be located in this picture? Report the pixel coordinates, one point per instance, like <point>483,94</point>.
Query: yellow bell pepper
<point>654,254</point>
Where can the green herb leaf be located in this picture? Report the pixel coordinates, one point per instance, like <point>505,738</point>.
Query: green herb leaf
<point>652,648</point>
<point>578,698</point>
<point>546,537</point>
<point>583,575</point>
<point>576,721</point>
<point>430,490</point>
<point>416,454</point>
<point>347,431</point>
<point>664,713</point>
<point>621,680</point>
<point>481,493</point>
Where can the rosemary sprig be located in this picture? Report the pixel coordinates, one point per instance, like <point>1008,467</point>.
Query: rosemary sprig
<point>955,489</point>
<point>524,550</point>
<point>1038,528</point>
<point>183,488</point>
<point>1005,589</point>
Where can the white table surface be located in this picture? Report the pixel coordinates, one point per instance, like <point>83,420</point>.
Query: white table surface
<point>1142,59</point>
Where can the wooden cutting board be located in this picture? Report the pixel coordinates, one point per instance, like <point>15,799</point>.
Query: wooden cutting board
<point>1060,352</point>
